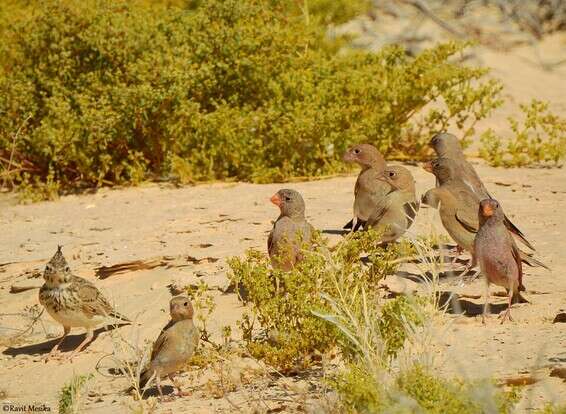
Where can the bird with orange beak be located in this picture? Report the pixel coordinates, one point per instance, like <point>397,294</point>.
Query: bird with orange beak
<point>458,206</point>
<point>369,191</point>
<point>448,148</point>
<point>498,255</point>
<point>291,232</point>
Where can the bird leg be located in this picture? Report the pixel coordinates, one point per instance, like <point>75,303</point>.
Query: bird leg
<point>55,350</point>
<point>158,384</point>
<point>486,304</point>
<point>88,338</point>
<point>507,313</point>
<point>180,392</point>
<point>471,264</point>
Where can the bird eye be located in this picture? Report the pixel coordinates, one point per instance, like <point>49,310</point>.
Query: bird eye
<point>357,151</point>
<point>391,174</point>
<point>67,269</point>
<point>287,199</point>
<point>186,304</point>
<point>48,268</point>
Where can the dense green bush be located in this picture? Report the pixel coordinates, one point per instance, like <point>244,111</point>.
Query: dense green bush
<point>539,140</point>
<point>418,390</point>
<point>283,327</point>
<point>119,92</point>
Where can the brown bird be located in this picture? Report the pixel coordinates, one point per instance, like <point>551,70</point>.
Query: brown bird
<point>447,146</point>
<point>369,190</point>
<point>73,301</point>
<point>174,346</point>
<point>498,255</point>
<point>395,211</point>
<point>458,206</point>
<point>291,232</point>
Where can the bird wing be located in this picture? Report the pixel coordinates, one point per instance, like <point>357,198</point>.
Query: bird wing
<point>92,301</point>
<point>517,258</point>
<point>161,341</point>
<point>270,242</point>
<point>467,210</point>
<point>430,198</point>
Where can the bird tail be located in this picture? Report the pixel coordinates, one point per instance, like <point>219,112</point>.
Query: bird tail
<point>144,378</point>
<point>119,316</point>
<point>349,225</point>
<point>518,298</point>
<point>529,260</point>
<point>518,233</point>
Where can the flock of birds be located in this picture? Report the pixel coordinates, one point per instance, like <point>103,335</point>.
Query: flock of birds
<point>385,199</point>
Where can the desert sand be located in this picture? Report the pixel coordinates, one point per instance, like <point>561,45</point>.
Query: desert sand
<point>201,226</point>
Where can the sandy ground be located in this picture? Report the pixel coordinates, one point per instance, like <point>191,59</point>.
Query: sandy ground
<point>214,222</point>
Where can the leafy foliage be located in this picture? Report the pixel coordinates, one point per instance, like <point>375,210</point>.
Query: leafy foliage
<point>118,92</point>
<point>540,139</point>
<point>71,393</point>
<point>284,304</point>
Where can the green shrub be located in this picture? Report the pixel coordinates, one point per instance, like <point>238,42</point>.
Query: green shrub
<point>286,304</point>
<point>417,390</point>
<point>395,315</point>
<point>119,92</point>
<point>437,395</point>
<point>540,139</point>
<point>70,396</point>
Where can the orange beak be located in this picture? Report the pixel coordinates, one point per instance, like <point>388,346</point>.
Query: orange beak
<point>487,210</point>
<point>427,166</point>
<point>348,157</point>
<point>275,199</point>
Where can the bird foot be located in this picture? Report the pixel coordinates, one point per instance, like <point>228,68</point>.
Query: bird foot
<point>180,393</point>
<point>504,316</point>
<point>53,356</point>
<point>167,398</point>
<point>469,279</point>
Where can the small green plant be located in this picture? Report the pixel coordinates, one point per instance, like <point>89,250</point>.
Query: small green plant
<point>285,304</point>
<point>552,409</point>
<point>395,315</point>
<point>438,395</point>
<point>539,140</point>
<point>204,304</point>
<point>71,395</point>
<point>388,345</point>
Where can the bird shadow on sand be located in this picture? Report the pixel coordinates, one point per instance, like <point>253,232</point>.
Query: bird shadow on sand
<point>153,392</point>
<point>335,232</point>
<point>419,278</point>
<point>70,343</point>
<point>456,305</point>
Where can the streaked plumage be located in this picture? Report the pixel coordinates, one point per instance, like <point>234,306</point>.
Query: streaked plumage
<point>73,301</point>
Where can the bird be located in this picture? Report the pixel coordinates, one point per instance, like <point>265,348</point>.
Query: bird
<point>396,211</point>
<point>498,255</point>
<point>73,301</point>
<point>447,146</point>
<point>369,190</point>
<point>174,346</point>
<point>458,206</point>
<point>291,231</point>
